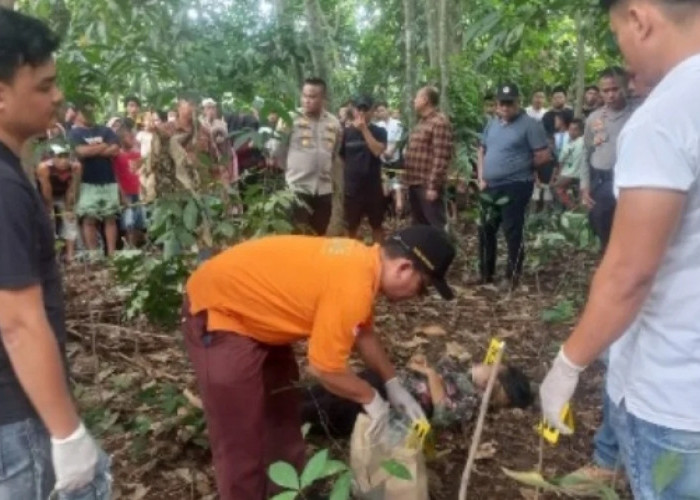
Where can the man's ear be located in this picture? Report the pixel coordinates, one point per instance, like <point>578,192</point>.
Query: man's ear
<point>641,18</point>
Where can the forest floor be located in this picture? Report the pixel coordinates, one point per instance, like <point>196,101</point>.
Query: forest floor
<point>138,394</point>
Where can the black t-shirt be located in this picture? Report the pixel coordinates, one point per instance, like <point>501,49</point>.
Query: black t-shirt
<point>362,168</point>
<point>96,169</point>
<point>27,258</point>
<point>549,116</point>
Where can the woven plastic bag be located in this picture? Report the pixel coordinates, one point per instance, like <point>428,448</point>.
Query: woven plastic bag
<point>372,481</point>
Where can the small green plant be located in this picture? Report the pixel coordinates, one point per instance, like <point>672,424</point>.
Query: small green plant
<point>562,312</point>
<point>569,485</point>
<point>491,207</point>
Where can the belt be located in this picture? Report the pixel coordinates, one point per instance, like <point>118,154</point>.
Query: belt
<point>599,175</point>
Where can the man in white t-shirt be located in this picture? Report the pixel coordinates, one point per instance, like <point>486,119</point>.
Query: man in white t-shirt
<point>394,131</point>
<point>537,109</point>
<point>645,296</point>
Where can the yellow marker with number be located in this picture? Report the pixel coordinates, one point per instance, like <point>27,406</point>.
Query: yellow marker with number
<point>494,348</point>
<point>549,433</point>
<point>416,439</point>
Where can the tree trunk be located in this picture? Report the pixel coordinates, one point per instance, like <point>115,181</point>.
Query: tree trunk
<point>10,4</point>
<point>409,11</point>
<point>319,55</point>
<point>580,63</point>
<point>431,21</point>
<point>444,53</point>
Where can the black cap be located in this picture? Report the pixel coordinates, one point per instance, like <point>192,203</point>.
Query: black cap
<point>508,92</point>
<point>431,250</point>
<point>363,101</point>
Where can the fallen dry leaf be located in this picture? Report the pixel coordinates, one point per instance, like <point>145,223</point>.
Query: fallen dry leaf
<point>431,331</point>
<point>486,451</point>
<point>457,351</point>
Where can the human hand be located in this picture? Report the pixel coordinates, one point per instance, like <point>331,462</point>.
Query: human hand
<point>359,121</point>
<point>557,389</point>
<point>431,194</point>
<point>419,364</point>
<point>402,400</point>
<point>74,459</point>
<point>378,412</point>
<point>586,198</point>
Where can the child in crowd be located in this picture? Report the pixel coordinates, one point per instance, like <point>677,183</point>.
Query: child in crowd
<point>449,394</point>
<point>570,161</point>
<point>59,177</point>
<point>125,168</point>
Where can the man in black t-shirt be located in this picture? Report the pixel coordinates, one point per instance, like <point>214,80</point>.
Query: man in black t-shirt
<point>96,146</point>
<point>362,148</point>
<point>43,444</point>
<point>559,106</point>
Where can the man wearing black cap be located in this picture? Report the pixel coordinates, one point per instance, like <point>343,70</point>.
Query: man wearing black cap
<point>245,307</point>
<point>512,148</point>
<point>362,147</point>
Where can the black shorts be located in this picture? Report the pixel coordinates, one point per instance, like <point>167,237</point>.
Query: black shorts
<point>368,202</point>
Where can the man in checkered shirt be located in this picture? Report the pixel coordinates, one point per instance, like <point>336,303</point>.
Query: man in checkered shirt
<point>428,156</point>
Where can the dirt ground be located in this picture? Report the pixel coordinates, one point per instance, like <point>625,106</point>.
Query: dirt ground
<point>137,390</point>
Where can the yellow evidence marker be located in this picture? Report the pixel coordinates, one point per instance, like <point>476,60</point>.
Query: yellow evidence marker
<point>420,437</point>
<point>550,434</point>
<point>494,347</point>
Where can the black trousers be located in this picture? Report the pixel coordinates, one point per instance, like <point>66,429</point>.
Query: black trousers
<point>424,212</point>
<point>512,216</point>
<point>314,213</point>
<point>603,212</point>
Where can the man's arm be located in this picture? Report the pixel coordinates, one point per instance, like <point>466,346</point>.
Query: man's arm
<point>541,157</point>
<point>346,384</point>
<point>72,193</point>
<point>90,151</point>
<point>111,151</point>
<point>375,146</point>
<point>443,148</point>
<point>645,222</point>
<point>35,358</point>
<point>372,352</point>
<point>43,176</point>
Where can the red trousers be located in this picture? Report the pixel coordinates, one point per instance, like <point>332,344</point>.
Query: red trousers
<point>251,404</point>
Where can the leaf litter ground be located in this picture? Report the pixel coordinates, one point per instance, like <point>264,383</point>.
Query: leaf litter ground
<point>137,390</point>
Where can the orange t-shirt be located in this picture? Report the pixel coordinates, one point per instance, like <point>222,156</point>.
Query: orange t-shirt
<point>281,289</point>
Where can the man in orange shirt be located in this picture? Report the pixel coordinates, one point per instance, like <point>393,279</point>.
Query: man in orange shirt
<point>243,310</point>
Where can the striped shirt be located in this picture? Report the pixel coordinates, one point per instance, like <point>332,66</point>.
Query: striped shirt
<point>429,152</point>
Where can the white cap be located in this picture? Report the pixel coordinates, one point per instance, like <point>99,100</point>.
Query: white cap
<point>57,149</point>
<point>208,102</point>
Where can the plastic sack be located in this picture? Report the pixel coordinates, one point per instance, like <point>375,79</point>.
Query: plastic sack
<point>372,482</point>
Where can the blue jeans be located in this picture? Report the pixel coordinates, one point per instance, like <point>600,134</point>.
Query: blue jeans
<point>26,472</point>
<point>645,447</point>
<point>606,452</point>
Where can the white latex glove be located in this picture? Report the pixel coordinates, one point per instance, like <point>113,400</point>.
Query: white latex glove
<point>402,400</point>
<point>378,412</point>
<point>557,389</point>
<point>74,460</point>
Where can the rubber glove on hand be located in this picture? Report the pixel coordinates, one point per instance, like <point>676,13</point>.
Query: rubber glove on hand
<point>74,459</point>
<point>378,412</point>
<point>557,389</point>
<point>402,400</point>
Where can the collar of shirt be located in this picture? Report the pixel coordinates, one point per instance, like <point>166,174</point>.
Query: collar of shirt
<point>676,74</point>
<point>9,157</point>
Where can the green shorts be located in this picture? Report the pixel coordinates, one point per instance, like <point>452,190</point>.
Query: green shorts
<point>98,201</point>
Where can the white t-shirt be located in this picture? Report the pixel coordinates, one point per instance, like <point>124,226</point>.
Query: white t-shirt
<point>537,115</point>
<point>394,131</point>
<point>655,366</point>
<point>144,139</point>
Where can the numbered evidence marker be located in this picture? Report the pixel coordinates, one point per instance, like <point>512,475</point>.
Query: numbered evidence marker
<point>421,437</point>
<point>492,353</point>
<point>550,434</point>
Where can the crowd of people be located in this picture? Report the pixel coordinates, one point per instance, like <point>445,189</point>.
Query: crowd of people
<point>632,159</point>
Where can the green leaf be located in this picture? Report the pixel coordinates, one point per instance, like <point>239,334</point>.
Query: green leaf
<point>286,495</point>
<point>532,478</point>
<point>284,474</point>
<point>314,468</point>
<point>190,215</point>
<point>397,469</point>
<point>503,201</point>
<point>341,488</point>
<point>666,470</point>
<point>332,468</point>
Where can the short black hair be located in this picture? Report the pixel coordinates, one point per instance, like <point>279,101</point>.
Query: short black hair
<point>613,72</point>
<point>132,98</point>
<point>592,87</point>
<point>559,89</point>
<point>579,123</point>
<point>564,117</point>
<point>316,82</point>
<point>489,97</point>
<point>433,95</point>
<point>128,123</point>
<point>395,250</point>
<point>517,387</point>
<point>24,40</point>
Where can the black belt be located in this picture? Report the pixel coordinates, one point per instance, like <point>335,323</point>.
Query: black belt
<point>598,175</point>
